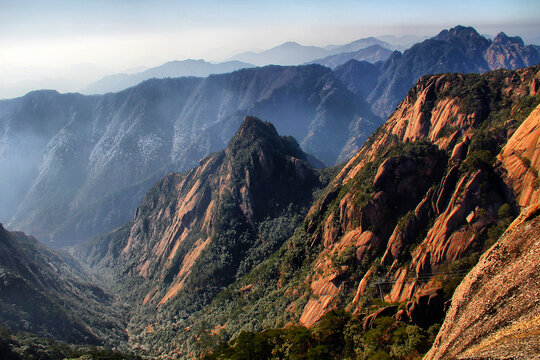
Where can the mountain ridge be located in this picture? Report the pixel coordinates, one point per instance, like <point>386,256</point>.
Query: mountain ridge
<point>175,68</point>
<point>460,49</point>
<point>47,292</point>
<point>293,53</point>
<point>159,125</point>
<point>372,54</point>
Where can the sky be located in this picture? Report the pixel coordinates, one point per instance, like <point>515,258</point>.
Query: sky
<point>89,38</point>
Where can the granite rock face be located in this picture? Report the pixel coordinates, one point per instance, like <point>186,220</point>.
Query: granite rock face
<point>521,158</point>
<point>495,310</point>
<point>425,207</point>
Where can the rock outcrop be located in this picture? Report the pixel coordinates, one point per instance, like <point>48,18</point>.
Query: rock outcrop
<point>521,158</point>
<point>425,215</point>
<point>495,311</point>
<point>195,233</point>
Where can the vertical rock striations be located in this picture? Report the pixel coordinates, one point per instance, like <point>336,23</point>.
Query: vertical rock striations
<point>197,232</point>
<point>417,214</point>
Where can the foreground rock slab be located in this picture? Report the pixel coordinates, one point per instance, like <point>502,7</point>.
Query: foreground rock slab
<point>495,311</point>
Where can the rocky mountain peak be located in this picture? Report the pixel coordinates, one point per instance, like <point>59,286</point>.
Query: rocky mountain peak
<point>262,136</point>
<point>463,33</point>
<point>502,38</point>
<point>202,229</point>
<point>509,52</point>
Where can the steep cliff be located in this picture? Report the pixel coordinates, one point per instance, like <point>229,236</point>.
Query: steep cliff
<point>197,232</point>
<point>521,158</point>
<point>495,310</point>
<point>417,220</point>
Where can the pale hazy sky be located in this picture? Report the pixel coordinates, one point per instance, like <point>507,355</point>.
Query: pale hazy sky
<point>120,34</point>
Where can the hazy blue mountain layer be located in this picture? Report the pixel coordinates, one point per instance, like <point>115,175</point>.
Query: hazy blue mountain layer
<point>177,68</point>
<point>373,54</point>
<point>78,165</point>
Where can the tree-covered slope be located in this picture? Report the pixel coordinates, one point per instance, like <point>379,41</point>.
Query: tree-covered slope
<point>48,293</point>
<point>397,229</point>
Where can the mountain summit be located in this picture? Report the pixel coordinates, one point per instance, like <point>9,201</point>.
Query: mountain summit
<point>460,49</point>
<point>507,52</point>
<point>195,233</point>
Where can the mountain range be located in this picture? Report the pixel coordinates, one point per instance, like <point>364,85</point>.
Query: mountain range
<point>262,251</point>
<point>292,53</point>
<point>90,159</point>
<point>178,68</point>
<point>405,219</point>
<point>460,49</point>
<point>372,54</point>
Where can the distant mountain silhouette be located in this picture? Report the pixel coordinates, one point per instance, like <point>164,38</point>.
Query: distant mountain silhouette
<point>177,68</point>
<point>289,53</point>
<point>373,54</point>
<point>460,49</point>
<point>402,42</point>
<point>292,53</point>
<point>359,45</point>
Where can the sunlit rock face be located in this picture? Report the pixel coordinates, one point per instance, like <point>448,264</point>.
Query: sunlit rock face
<point>423,210</point>
<point>494,311</point>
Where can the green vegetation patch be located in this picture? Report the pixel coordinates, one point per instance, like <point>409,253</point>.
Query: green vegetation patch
<point>338,335</point>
